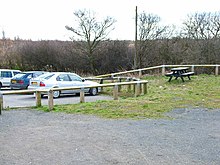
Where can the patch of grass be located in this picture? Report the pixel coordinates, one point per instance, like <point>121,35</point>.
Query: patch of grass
<point>202,91</point>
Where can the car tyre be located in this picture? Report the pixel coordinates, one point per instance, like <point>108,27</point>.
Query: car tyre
<point>56,94</point>
<point>0,85</point>
<point>93,91</point>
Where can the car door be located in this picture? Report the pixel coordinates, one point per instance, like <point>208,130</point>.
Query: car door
<point>76,82</point>
<point>63,80</point>
<point>6,78</point>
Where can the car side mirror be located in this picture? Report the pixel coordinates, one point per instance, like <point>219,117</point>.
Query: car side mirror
<point>83,80</point>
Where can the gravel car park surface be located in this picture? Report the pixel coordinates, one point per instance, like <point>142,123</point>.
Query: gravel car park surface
<point>44,138</point>
<point>29,100</point>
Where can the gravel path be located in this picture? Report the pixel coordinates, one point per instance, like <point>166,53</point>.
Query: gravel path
<point>40,138</point>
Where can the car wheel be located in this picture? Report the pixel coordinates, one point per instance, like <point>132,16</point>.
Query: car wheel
<point>0,85</point>
<point>93,91</point>
<point>56,94</point>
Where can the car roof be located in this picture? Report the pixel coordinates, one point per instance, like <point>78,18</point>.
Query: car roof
<point>57,73</point>
<point>35,72</point>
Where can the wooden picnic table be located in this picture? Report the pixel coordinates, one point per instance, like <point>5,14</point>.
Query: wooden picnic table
<point>179,72</point>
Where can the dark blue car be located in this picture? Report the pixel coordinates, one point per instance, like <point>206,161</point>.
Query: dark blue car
<point>21,80</point>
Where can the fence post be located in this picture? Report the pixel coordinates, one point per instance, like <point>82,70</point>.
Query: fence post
<point>163,70</point>
<point>82,95</point>
<point>112,76</point>
<point>144,90</point>
<point>115,92</point>
<point>50,100</point>
<point>1,103</point>
<point>38,98</point>
<point>137,89</point>
<point>101,82</point>
<point>119,87</point>
<point>140,73</point>
<point>216,70</point>
<point>193,68</point>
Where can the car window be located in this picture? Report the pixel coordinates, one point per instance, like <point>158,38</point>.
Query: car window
<point>6,74</point>
<point>75,78</point>
<point>63,77</point>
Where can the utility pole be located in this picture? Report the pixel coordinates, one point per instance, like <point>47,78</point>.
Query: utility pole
<point>3,34</point>
<point>136,50</point>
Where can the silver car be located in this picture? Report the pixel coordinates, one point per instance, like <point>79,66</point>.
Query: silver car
<point>62,79</point>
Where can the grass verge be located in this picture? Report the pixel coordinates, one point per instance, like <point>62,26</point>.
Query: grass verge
<point>202,91</point>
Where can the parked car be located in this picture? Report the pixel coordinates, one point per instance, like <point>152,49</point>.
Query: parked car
<point>6,75</point>
<point>62,79</point>
<point>22,80</point>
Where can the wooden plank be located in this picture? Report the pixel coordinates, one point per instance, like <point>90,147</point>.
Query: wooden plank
<point>17,92</point>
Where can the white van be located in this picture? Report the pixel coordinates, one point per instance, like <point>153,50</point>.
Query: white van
<point>6,75</point>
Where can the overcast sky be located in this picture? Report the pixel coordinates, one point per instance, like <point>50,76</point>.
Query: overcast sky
<point>46,19</point>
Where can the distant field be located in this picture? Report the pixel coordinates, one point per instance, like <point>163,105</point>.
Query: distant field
<point>202,91</point>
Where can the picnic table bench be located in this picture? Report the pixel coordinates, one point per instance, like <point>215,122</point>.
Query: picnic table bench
<point>179,72</point>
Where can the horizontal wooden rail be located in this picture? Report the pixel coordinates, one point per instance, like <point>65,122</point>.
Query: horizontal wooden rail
<point>217,66</point>
<point>139,86</point>
<point>125,72</point>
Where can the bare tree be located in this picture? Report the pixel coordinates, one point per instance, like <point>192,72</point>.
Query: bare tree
<point>149,31</point>
<point>204,29</point>
<point>202,26</point>
<point>90,32</point>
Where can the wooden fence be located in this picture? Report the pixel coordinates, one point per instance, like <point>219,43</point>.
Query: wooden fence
<point>116,86</point>
<point>138,88</point>
<point>163,70</point>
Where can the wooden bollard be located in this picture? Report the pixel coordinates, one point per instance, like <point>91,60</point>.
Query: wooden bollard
<point>82,95</point>
<point>115,92</point>
<point>38,98</point>
<point>1,103</point>
<point>50,100</point>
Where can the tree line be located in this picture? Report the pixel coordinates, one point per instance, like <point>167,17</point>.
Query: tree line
<point>196,42</point>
